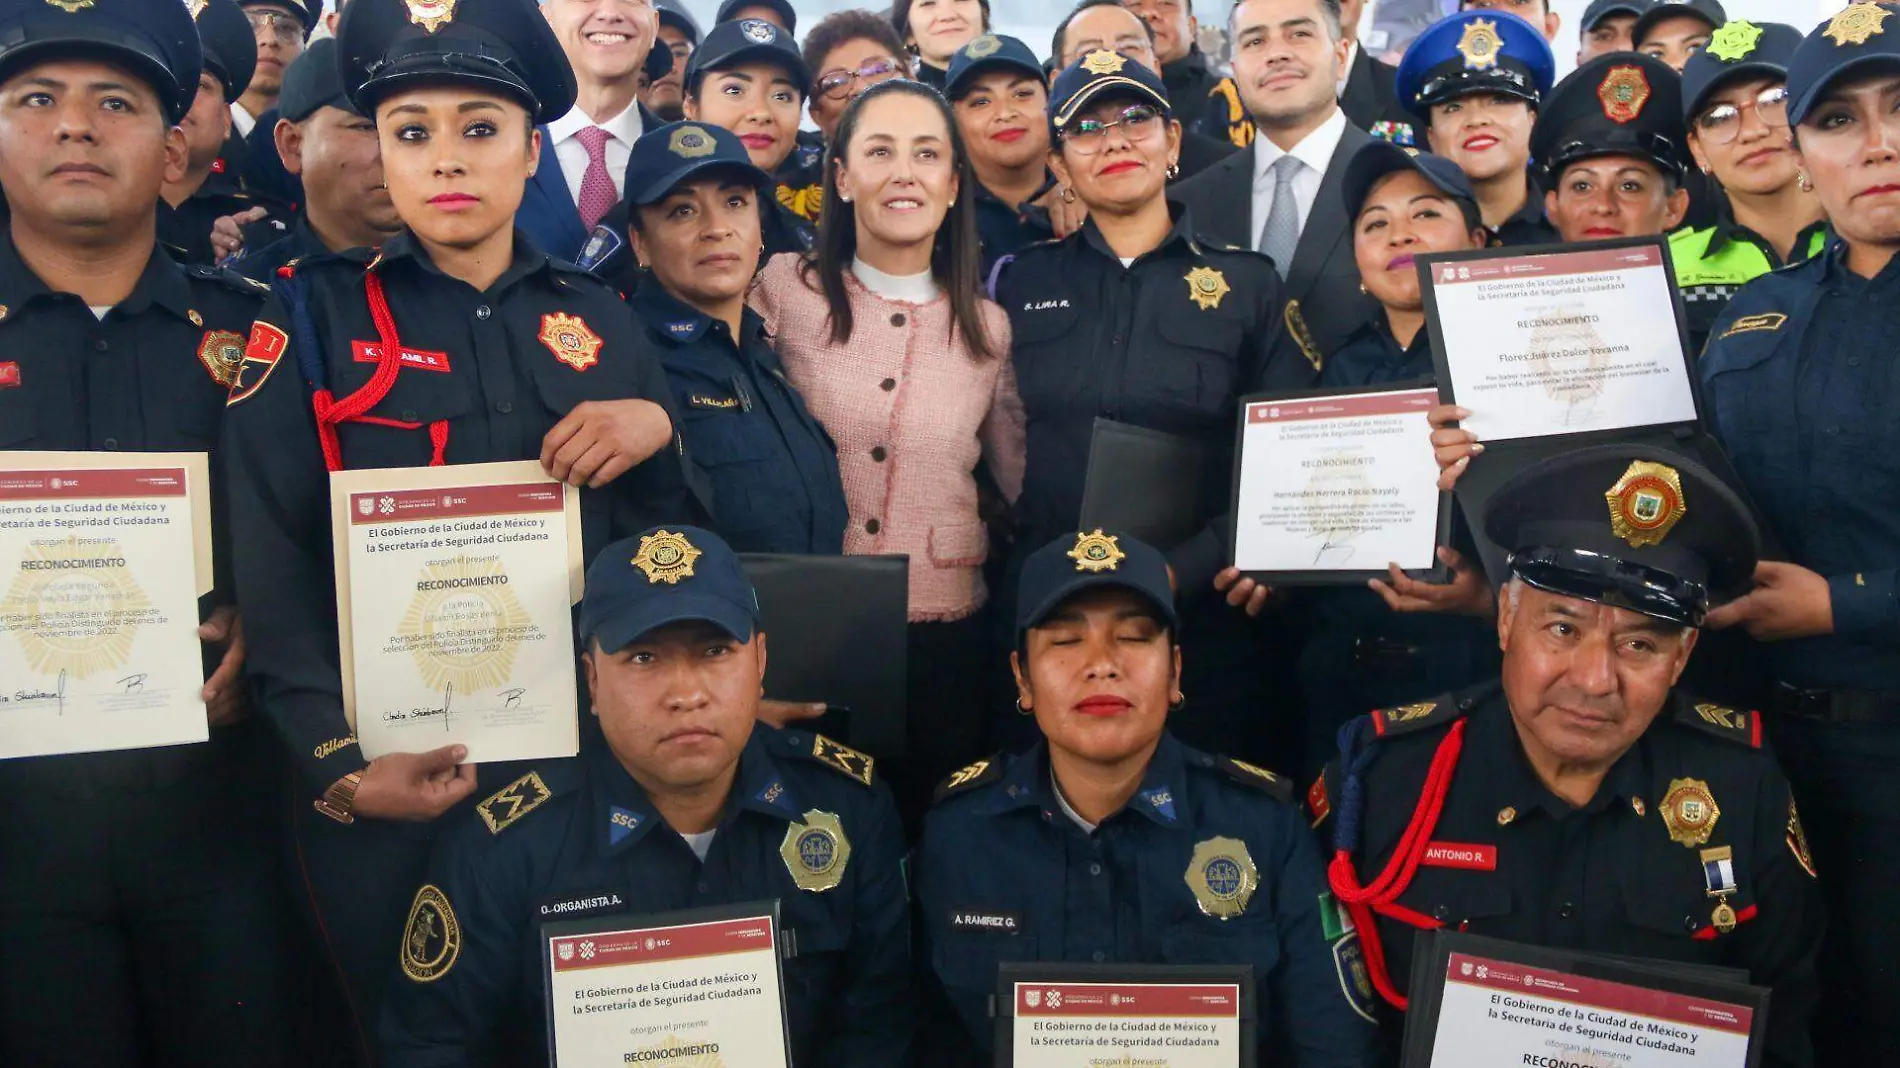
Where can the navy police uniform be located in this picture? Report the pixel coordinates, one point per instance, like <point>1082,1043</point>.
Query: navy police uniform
<point>1690,850</point>
<point>581,839</point>
<point>738,43</point>
<point>1209,863</point>
<point>1003,229</point>
<point>1621,104</point>
<point>772,467</point>
<point>367,360</point>
<point>1796,380</point>
<point>142,919</point>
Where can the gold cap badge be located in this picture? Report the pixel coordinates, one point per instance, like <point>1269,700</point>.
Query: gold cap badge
<point>986,45</point>
<point>1207,287</point>
<point>1646,503</point>
<point>1096,552</point>
<point>1689,812</point>
<point>71,7</point>
<point>1102,61</point>
<point>1222,876</point>
<point>1480,45</point>
<point>1734,41</point>
<point>816,851</point>
<point>690,142</point>
<point>431,15</point>
<point>666,557</point>
<point>1623,93</point>
<point>1507,816</point>
<point>1857,25</point>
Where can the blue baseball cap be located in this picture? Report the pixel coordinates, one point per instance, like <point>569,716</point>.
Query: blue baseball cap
<point>985,53</point>
<point>1098,74</point>
<point>1709,11</point>
<point>667,155</point>
<point>1478,51</point>
<point>734,44</point>
<point>1083,561</point>
<point>669,575</point>
<point>1737,50</point>
<point>1862,37</point>
<point>1376,159</point>
<point>1603,9</point>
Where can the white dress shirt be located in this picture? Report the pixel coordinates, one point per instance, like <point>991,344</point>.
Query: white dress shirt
<point>1315,151</point>
<point>242,121</point>
<point>1345,72</point>
<point>622,131</point>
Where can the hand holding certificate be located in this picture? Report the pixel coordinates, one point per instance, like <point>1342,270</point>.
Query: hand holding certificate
<point>454,589</point>
<point>105,556</point>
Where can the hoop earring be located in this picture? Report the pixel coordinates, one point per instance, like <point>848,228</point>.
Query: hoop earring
<point>1806,183</point>
<point>1174,171</point>
<point>1020,710</point>
<point>1067,195</point>
<point>1179,702</point>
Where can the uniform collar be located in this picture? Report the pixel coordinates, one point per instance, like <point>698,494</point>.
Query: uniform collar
<point>1727,230</point>
<point>404,246</point>
<point>623,815</point>
<point>163,283</point>
<point>1178,233</point>
<point>1532,211</point>
<point>1512,789</point>
<point>680,323</point>
<point>1835,272</point>
<point>1029,784</point>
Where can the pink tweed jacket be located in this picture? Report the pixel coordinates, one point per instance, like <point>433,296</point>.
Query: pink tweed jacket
<point>912,411</point>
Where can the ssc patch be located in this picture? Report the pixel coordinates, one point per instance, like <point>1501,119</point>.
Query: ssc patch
<point>411,359</point>
<point>992,920</point>
<point>432,940</point>
<point>261,355</point>
<point>222,353</point>
<point>506,806</point>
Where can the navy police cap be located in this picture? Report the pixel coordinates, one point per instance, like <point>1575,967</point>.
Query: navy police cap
<point>1621,104</point>
<point>1083,561</point>
<point>731,8</point>
<point>312,83</point>
<point>988,52</point>
<point>737,43</point>
<point>505,45</point>
<point>674,13</point>
<point>1376,159</point>
<point>667,575</point>
<point>668,155</point>
<point>305,10</point>
<point>156,41</point>
<point>1709,11</point>
<point>1737,50</point>
<point>1861,39</point>
<point>1603,9</point>
<point>1098,74</point>
<point>228,42</point>
<point>1479,51</point>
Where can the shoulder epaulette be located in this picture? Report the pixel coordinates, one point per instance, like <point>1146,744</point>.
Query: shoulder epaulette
<point>841,758</point>
<point>1259,778</point>
<point>512,803</point>
<point>1409,719</point>
<point>1728,724</point>
<point>963,780</point>
<point>229,279</point>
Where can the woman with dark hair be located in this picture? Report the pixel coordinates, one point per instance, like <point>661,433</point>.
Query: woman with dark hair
<point>886,333</point>
<point>933,30</point>
<point>846,53</point>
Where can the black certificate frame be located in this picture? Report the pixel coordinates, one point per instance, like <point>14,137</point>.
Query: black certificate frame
<point>1010,973</point>
<point>622,923</point>
<point>1438,573</point>
<point>1429,965</point>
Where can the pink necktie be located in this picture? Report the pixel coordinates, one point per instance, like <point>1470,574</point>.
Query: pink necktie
<point>597,186</point>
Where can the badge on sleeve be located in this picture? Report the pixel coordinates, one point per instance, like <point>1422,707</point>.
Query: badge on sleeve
<point>816,851</point>
<point>261,353</point>
<point>1222,876</point>
<point>1689,812</point>
<point>572,343</point>
<point>1207,287</point>
<point>433,938</point>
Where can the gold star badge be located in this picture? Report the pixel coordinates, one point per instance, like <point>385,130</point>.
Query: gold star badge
<point>1096,552</point>
<point>1206,287</point>
<point>1689,811</point>
<point>1101,61</point>
<point>1857,25</point>
<point>690,142</point>
<point>666,557</point>
<point>1734,41</point>
<point>1646,503</point>
<point>431,15</point>
<point>1480,45</point>
<point>1623,93</point>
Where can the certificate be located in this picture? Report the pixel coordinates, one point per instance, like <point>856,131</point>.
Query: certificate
<point>454,594</point>
<point>1492,1004</point>
<point>1571,339</point>
<point>1157,1016</point>
<point>104,557</point>
<point>1332,487</point>
<point>700,989</point>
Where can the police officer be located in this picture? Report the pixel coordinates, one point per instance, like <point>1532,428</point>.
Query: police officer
<point>321,133</point>
<point>678,35</point>
<point>1735,101</point>
<point>140,922</point>
<point>1112,841</point>
<point>1605,27</point>
<point>458,343</point>
<point>1110,321</point>
<point>771,78</point>
<point>1797,384</point>
<point>1594,805</point>
<point>1475,80</point>
<point>696,198</point>
<point>1611,141</point>
<point>689,803</point>
<point>211,187</point>
<point>1000,95</point>
<point>1674,30</point>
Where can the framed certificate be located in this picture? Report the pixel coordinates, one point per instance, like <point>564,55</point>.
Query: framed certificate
<point>704,986</point>
<point>103,557</point>
<point>1330,486</point>
<point>1582,339</point>
<point>1051,1015</point>
<point>455,590</point>
<point>1485,1003</point>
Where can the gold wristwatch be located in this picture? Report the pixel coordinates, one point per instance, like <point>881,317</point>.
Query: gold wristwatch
<point>339,801</point>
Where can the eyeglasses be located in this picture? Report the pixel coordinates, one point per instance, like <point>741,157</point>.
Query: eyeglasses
<point>836,84</point>
<point>1722,123</point>
<point>284,27</point>
<point>1089,135</point>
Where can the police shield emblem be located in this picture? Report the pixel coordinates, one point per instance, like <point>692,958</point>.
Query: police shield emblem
<point>1646,503</point>
<point>1623,93</point>
<point>1207,287</point>
<point>1096,552</point>
<point>1222,877</point>
<point>986,45</point>
<point>431,15</point>
<point>1857,25</point>
<point>816,851</point>
<point>1735,41</point>
<point>222,353</point>
<point>568,337</point>
<point>666,557</point>
<point>758,31</point>
<point>1101,61</point>
<point>690,142</point>
<point>1480,45</point>
<point>1689,812</point>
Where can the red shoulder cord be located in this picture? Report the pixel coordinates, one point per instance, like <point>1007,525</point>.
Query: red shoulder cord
<point>1378,896</point>
<point>331,412</point>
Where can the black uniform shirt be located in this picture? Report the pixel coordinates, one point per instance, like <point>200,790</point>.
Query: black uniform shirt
<point>1529,226</point>
<point>1005,229</point>
<point>497,366</point>
<point>186,229</point>
<point>263,256</point>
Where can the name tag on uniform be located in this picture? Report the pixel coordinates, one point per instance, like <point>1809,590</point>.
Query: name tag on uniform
<point>418,359</point>
<point>585,903</point>
<point>719,404</point>
<point>997,920</point>
<point>1462,856</point>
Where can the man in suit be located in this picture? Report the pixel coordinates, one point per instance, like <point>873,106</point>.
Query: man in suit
<point>1281,196</point>
<point>1366,94</point>
<point>584,154</point>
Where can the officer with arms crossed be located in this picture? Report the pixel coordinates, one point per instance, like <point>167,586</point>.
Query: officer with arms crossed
<point>1595,806</point>
<point>690,803</point>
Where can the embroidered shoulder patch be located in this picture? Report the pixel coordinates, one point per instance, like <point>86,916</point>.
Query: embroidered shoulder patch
<point>432,939</point>
<point>1728,724</point>
<point>261,355</point>
<point>1749,324</point>
<point>1257,777</point>
<point>843,759</point>
<point>509,804</point>
<point>963,780</point>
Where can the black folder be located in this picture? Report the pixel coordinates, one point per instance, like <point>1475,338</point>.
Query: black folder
<point>1144,482</point>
